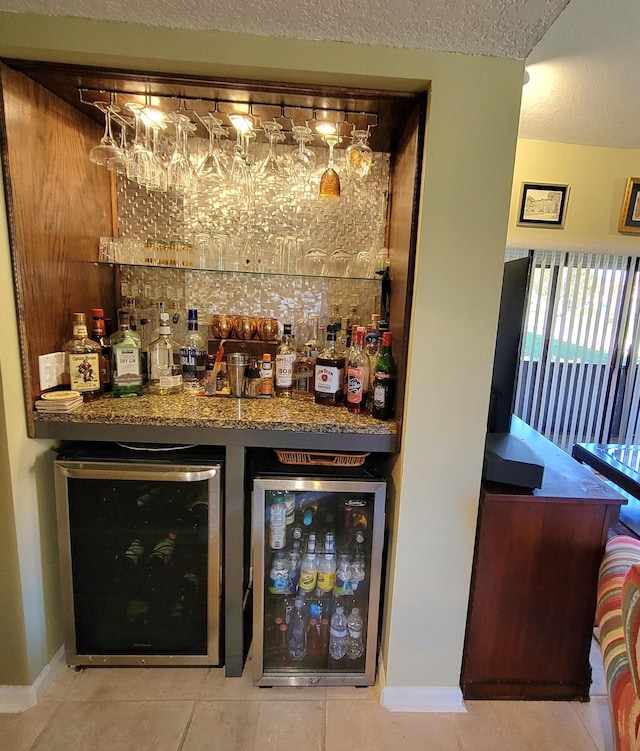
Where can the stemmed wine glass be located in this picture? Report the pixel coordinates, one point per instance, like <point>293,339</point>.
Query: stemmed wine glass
<point>269,168</point>
<point>157,178</point>
<point>212,166</point>
<point>107,150</point>
<point>302,161</point>
<point>139,155</point>
<point>330,180</point>
<point>180,174</point>
<point>240,176</point>
<point>359,157</point>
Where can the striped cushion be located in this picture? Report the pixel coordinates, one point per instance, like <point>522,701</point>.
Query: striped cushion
<point>621,555</point>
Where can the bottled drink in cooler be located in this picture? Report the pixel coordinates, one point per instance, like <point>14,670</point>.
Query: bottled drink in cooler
<point>298,631</point>
<point>308,567</point>
<point>294,566</point>
<point>358,572</point>
<point>338,635</point>
<point>327,566</point>
<point>342,585</point>
<point>355,644</point>
<point>278,520</point>
<point>279,575</point>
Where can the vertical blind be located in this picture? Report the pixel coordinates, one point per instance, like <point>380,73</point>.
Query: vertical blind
<point>578,378</point>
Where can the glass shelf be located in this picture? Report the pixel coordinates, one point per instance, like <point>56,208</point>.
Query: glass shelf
<point>249,272</point>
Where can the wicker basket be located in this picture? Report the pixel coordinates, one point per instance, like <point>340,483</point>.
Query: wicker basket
<point>325,459</point>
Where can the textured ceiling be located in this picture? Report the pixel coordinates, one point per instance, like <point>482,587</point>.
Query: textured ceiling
<point>503,28</point>
<point>583,59</point>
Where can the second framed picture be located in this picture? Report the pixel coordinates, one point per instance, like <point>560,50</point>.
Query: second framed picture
<point>543,205</point>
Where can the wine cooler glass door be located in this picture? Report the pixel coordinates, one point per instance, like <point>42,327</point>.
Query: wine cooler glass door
<point>317,558</point>
<point>140,562</point>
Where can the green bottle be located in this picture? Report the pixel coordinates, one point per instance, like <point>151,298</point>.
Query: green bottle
<point>126,367</point>
<point>384,382</point>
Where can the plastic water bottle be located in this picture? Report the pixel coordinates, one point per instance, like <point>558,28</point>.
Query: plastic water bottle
<point>279,575</point>
<point>358,572</point>
<point>298,632</point>
<point>338,635</point>
<point>277,521</point>
<point>342,584</point>
<point>355,645</point>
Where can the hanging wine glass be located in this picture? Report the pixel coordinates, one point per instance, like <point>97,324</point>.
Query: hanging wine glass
<point>269,169</point>
<point>302,161</point>
<point>157,178</point>
<point>240,177</point>
<point>180,174</point>
<point>212,166</point>
<point>359,157</point>
<point>119,163</point>
<point>330,180</point>
<point>138,156</point>
<point>107,149</point>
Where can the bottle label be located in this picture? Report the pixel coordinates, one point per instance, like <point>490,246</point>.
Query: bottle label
<point>329,380</point>
<point>80,331</point>
<point>127,362</point>
<point>84,372</point>
<point>192,363</point>
<point>379,393</point>
<point>339,632</point>
<point>308,578</point>
<point>326,580</point>
<point>284,369</point>
<point>355,385</point>
<point>169,381</point>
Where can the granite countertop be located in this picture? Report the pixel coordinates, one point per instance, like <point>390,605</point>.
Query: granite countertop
<point>188,410</point>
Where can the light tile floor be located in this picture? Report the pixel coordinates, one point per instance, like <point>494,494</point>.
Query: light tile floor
<point>199,709</point>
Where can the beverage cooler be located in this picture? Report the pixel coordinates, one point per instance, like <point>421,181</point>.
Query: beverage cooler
<point>139,537</point>
<point>318,544</point>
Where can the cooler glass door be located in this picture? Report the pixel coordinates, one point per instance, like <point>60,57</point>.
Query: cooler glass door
<point>317,567</point>
<point>140,562</point>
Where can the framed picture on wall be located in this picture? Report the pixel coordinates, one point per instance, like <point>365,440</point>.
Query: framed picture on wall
<point>630,213</point>
<point>543,205</point>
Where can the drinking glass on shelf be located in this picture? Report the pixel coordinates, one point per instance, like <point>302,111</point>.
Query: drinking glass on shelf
<point>330,180</point>
<point>339,263</point>
<point>315,262</point>
<point>358,156</point>
<point>107,150</point>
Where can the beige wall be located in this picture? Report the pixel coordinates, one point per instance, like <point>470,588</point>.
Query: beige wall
<point>596,178</point>
<point>472,127</point>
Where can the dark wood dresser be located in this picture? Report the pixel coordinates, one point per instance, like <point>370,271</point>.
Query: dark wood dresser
<point>534,578</point>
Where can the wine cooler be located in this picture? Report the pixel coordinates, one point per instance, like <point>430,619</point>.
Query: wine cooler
<point>317,572</point>
<point>139,536</point>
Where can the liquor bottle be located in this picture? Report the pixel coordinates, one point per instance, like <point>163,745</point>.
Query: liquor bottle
<point>329,374</point>
<point>193,355</point>
<point>186,597</point>
<point>99,334</point>
<point>343,337</point>
<point>305,365</point>
<point>384,381</point>
<point>82,361</point>
<point>126,563</point>
<point>165,368</point>
<point>358,367</point>
<point>126,361</point>
<point>285,357</point>
<point>266,375</point>
<point>354,317</point>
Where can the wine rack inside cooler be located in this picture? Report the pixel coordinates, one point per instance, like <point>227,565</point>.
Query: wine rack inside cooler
<point>140,561</point>
<point>294,606</point>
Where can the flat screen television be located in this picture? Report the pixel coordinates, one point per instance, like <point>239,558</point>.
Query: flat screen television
<point>507,458</point>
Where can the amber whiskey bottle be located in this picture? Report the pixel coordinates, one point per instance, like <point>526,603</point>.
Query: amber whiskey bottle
<point>329,373</point>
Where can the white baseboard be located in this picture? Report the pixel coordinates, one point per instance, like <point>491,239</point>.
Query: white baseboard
<point>20,698</point>
<point>419,698</point>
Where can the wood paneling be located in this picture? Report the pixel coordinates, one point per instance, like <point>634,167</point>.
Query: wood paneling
<point>58,205</point>
<point>403,230</point>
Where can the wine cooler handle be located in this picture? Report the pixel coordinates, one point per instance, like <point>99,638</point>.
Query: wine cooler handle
<point>140,472</point>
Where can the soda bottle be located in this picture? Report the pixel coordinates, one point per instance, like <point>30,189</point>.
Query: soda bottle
<point>355,644</point>
<point>308,567</point>
<point>327,566</point>
<point>298,631</point>
<point>338,635</point>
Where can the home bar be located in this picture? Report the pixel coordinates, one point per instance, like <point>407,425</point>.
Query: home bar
<point>432,507</point>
